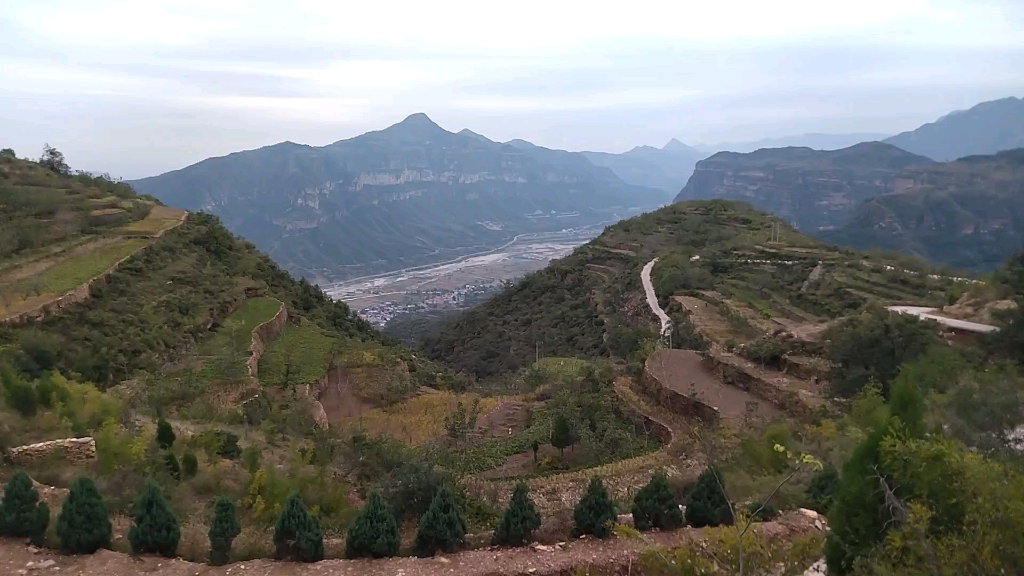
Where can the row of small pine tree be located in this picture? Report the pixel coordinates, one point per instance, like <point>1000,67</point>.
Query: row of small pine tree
<point>84,526</point>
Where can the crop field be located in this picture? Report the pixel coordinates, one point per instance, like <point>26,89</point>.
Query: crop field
<point>224,354</point>
<point>159,220</point>
<point>420,419</point>
<point>301,354</point>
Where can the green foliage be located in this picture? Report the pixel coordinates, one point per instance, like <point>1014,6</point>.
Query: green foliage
<point>19,394</point>
<point>762,511</point>
<point>297,534</point>
<point>83,526</point>
<point>375,532</point>
<point>856,519</point>
<point>224,527</point>
<point>42,522</point>
<point>461,422</point>
<point>520,520</point>
<point>442,527</point>
<point>561,433</point>
<point>171,463</point>
<point>872,346</point>
<point>18,507</point>
<point>155,529</point>
<point>301,354</point>
<point>412,487</point>
<point>654,506</point>
<point>821,492</point>
<point>594,514</point>
<point>164,434</point>
<point>251,457</point>
<point>189,465</point>
<point>707,504</point>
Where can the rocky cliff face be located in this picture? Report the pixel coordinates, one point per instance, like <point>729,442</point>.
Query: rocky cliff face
<point>968,214</point>
<point>814,190</point>
<point>401,196</point>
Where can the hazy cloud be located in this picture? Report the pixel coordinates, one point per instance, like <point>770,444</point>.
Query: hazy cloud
<point>136,88</point>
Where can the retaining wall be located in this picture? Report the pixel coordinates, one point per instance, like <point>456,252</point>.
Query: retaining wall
<point>73,449</point>
<point>732,371</point>
<point>675,401</point>
<point>262,335</point>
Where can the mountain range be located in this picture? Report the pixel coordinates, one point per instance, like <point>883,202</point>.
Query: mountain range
<point>410,194</point>
<point>811,189</point>
<point>667,168</point>
<point>986,128</point>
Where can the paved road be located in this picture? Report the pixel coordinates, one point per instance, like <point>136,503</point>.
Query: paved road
<point>652,298</point>
<point>929,314</point>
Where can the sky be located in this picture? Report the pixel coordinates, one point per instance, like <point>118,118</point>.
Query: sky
<point>136,88</point>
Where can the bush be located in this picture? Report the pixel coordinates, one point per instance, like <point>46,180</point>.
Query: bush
<point>411,489</point>
<point>375,533</point>
<point>155,530</point>
<point>229,448</point>
<point>171,463</point>
<point>165,436</point>
<point>442,527</point>
<point>18,507</point>
<point>189,465</point>
<point>821,492</point>
<point>224,528</point>
<point>520,521</point>
<point>20,395</point>
<point>561,433</point>
<point>297,535</point>
<point>762,512</point>
<point>42,522</point>
<point>707,504</point>
<point>83,525</point>
<point>595,512</point>
<point>654,506</point>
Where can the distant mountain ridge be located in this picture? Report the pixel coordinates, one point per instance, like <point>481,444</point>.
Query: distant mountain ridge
<point>666,168</point>
<point>814,140</point>
<point>409,194</point>
<point>967,214</point>
<point>811,189</point>
<point>986,128</point>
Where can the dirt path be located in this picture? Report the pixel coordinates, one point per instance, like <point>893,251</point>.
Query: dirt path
<point>652,298</point>
<point>611,555</point>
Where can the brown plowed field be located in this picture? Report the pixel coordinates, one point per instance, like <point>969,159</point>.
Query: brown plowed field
<point>682,371</point>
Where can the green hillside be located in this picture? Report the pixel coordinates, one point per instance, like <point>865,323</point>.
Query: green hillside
<point>591,303</point>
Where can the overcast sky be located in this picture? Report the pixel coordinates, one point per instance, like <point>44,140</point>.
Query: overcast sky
<point>144,86</point>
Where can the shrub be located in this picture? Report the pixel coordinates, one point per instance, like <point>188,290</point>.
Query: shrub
<point>165,436</point>
<point>821,492</point>
<point>42,522</point>
<point>171,463</point>
<point>83,525</point>
<point>442,527</point>
<point>707,504</point>
<point>375,533</point>
<point>20,395</point>
<point>412,488</point>
<point>251,459</point>
<point>155,530</point>
<point>189,465</point>
<point>229,448</point>
<point>297,535</point>
<point>520,521</point>
<point>595,512</point>
<point>561,434</point>
<point>224,528</point>
<point>654,506</point>
<point>762,512</point>
<point>18,507</point>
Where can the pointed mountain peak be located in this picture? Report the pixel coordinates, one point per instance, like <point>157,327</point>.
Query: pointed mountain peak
<point>676,145</point>
<point>415,128</point>
<point>419,121</point>
<point>474,135</point>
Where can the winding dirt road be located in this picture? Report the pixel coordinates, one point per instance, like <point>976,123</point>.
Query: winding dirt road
<point>652,298</point>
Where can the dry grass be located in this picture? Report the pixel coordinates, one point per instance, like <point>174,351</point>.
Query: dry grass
<point>194,545</point>
<point>159,220</point>
<point>420,419</point>
<point>254,542</point>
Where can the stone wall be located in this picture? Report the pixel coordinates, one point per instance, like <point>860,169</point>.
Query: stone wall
<point>733,371</point>
<point>676,401</point>
<point>73,449</point>
<point>262,335</point>
<point>314,390</point>
<point>644,422</point>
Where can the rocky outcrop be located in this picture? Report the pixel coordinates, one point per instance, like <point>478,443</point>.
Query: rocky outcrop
<point>812,189</point>
<point>262,335</point>
<point>72,449</point>
<point>645,422</point>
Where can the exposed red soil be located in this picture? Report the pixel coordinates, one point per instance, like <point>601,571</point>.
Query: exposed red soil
<point>338,399</point>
